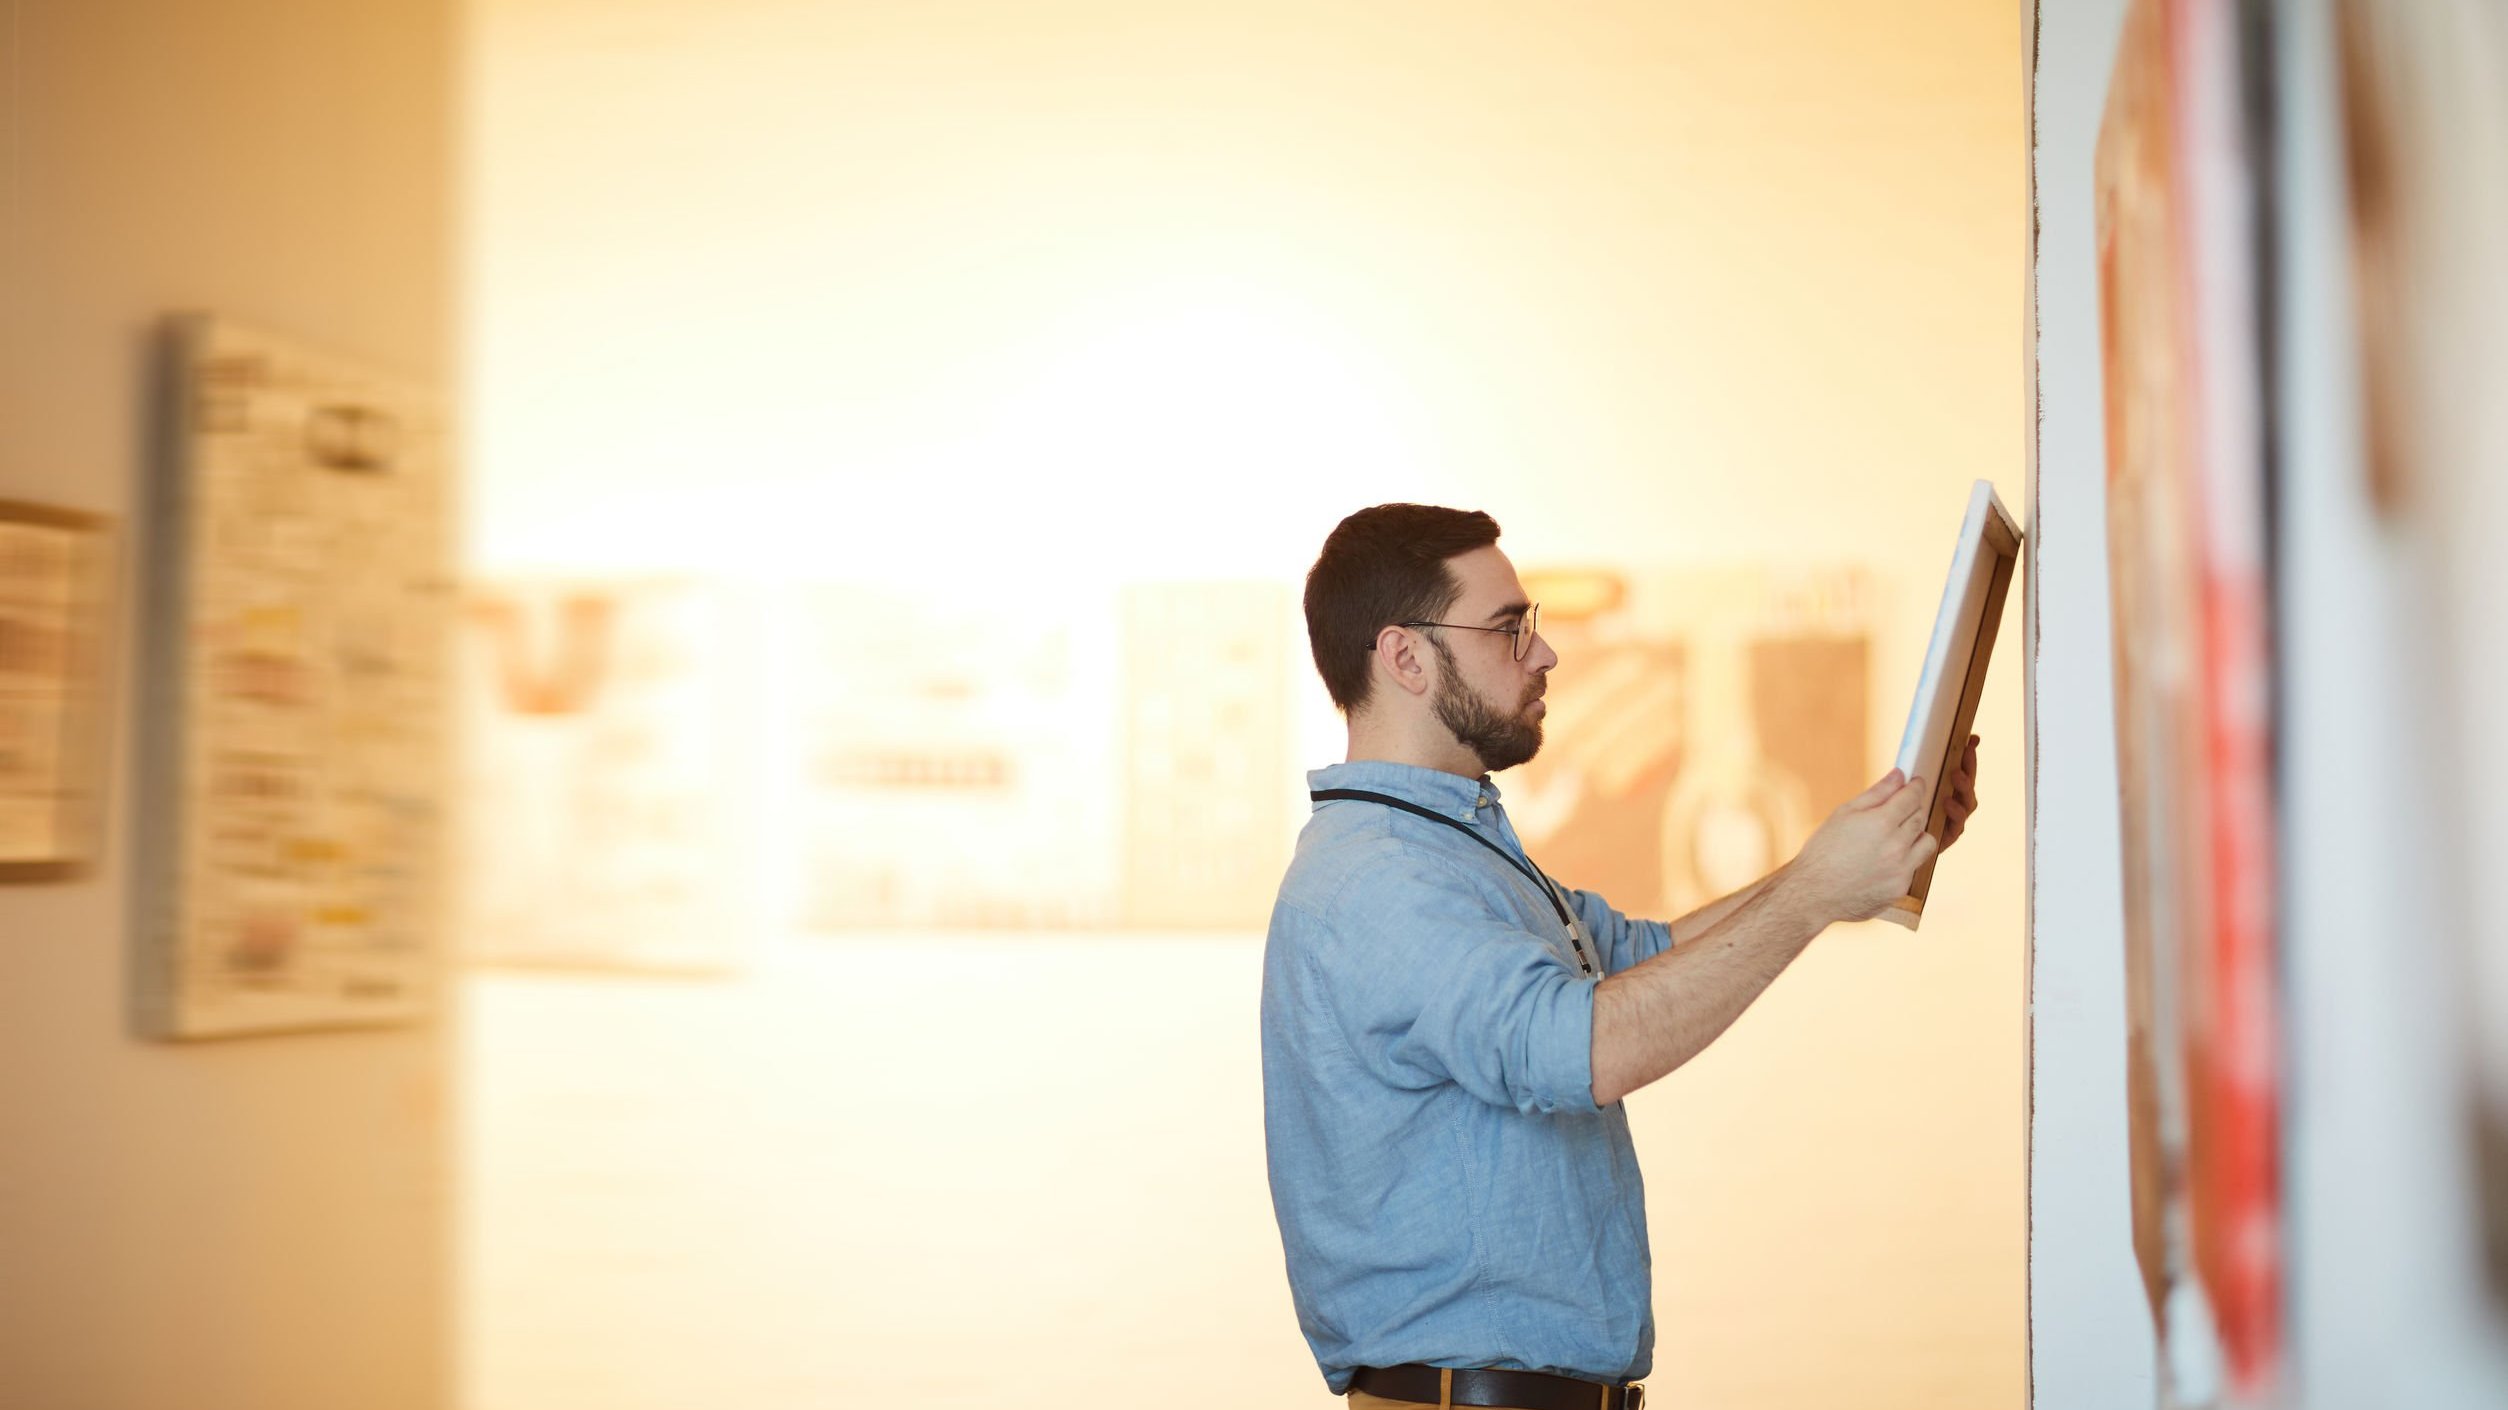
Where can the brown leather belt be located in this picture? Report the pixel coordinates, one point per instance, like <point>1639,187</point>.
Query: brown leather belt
<point>1525,1390</point>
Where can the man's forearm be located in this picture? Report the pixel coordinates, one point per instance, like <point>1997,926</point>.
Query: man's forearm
<point>1708,916</point>
<point>1652,1017</point>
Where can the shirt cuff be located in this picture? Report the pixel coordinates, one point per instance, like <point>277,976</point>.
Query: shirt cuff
<point>1561,1057</point>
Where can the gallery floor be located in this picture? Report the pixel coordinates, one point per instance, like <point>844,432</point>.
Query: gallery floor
<point>872,1174</point>
<point>922,1172</point>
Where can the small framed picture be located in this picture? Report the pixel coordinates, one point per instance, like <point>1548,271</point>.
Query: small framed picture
<point>288,845</point>
<point>53,582</point>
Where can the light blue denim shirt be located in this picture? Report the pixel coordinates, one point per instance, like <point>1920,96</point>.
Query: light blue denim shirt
<point>1448,1192</point>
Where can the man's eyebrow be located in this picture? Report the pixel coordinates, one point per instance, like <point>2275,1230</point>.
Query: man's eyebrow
<point>1512,609</point>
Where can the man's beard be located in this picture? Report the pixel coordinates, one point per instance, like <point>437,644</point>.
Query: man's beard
<point>1501,740</point>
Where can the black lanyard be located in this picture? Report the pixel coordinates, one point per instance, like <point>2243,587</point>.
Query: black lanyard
<point>1533,874</point>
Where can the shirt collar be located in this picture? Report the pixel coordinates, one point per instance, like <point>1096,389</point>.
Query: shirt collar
<point>1451,794</point>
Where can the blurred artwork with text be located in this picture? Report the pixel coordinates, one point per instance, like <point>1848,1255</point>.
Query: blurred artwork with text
<point>1089,758</point>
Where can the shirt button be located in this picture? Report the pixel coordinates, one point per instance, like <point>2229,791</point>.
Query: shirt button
<point>1482,801</point>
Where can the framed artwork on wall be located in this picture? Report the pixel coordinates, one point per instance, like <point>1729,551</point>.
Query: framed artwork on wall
<point>295,743</point>
<point>1714,716</point>
<point>1119,768</point>
<point>2425,135</point>
<point>54,579</point>
<point>2189,484</point>
<point>600,775</point>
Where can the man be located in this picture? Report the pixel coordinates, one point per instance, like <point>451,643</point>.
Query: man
<point>1447,1033</point>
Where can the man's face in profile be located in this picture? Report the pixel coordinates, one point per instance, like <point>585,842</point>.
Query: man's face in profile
<point>1489,700</point>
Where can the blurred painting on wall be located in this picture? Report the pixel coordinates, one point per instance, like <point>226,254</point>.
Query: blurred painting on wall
<point>1207,776</point>
<point>2425,112</point>
<point>2188,490</point>
<point>956,760</point>
<point>296,757</point>
<point>1092,758</point>
<point>1701,724</point>
<point>601,779</point>
<point>54,571</point>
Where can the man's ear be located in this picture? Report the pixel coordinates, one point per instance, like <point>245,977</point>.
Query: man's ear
<point>1399,659</point>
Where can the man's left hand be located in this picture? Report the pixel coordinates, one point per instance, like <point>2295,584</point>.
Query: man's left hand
<point>1963,799</point>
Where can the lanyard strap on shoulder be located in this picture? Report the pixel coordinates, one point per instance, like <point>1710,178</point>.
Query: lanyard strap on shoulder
<point>1549,892</point>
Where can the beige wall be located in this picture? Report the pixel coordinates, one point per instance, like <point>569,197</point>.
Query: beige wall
<point>874,291</point>
<point>246,1225</point>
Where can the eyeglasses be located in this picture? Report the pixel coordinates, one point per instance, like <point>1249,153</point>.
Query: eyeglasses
<point>1525,628</point>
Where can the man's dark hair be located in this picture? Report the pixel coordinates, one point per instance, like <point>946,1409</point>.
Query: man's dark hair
<point>1382,566</point>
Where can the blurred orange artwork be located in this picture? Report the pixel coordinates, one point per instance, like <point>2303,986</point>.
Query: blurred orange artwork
<point>599,775</point>
<point>2187,570</point>
<point>1701,723</point>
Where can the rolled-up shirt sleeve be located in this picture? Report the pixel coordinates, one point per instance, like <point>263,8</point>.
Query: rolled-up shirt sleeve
<point>1623,941</point>
<point>1432,983</point>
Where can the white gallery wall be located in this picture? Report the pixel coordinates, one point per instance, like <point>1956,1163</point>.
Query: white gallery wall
<point>1021,297</point>
<point>2090,1339</point>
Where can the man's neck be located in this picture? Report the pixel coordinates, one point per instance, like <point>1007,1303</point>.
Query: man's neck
<point>1433,747</point>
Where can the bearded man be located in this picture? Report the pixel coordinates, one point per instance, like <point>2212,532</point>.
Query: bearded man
<point>1448,1033</point>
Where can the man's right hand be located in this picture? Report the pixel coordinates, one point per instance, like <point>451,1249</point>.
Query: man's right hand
<point>1657,1014</point>
<point>1865,855</point>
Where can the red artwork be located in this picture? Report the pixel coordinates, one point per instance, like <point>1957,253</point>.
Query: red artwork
<point>2187,537</point>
